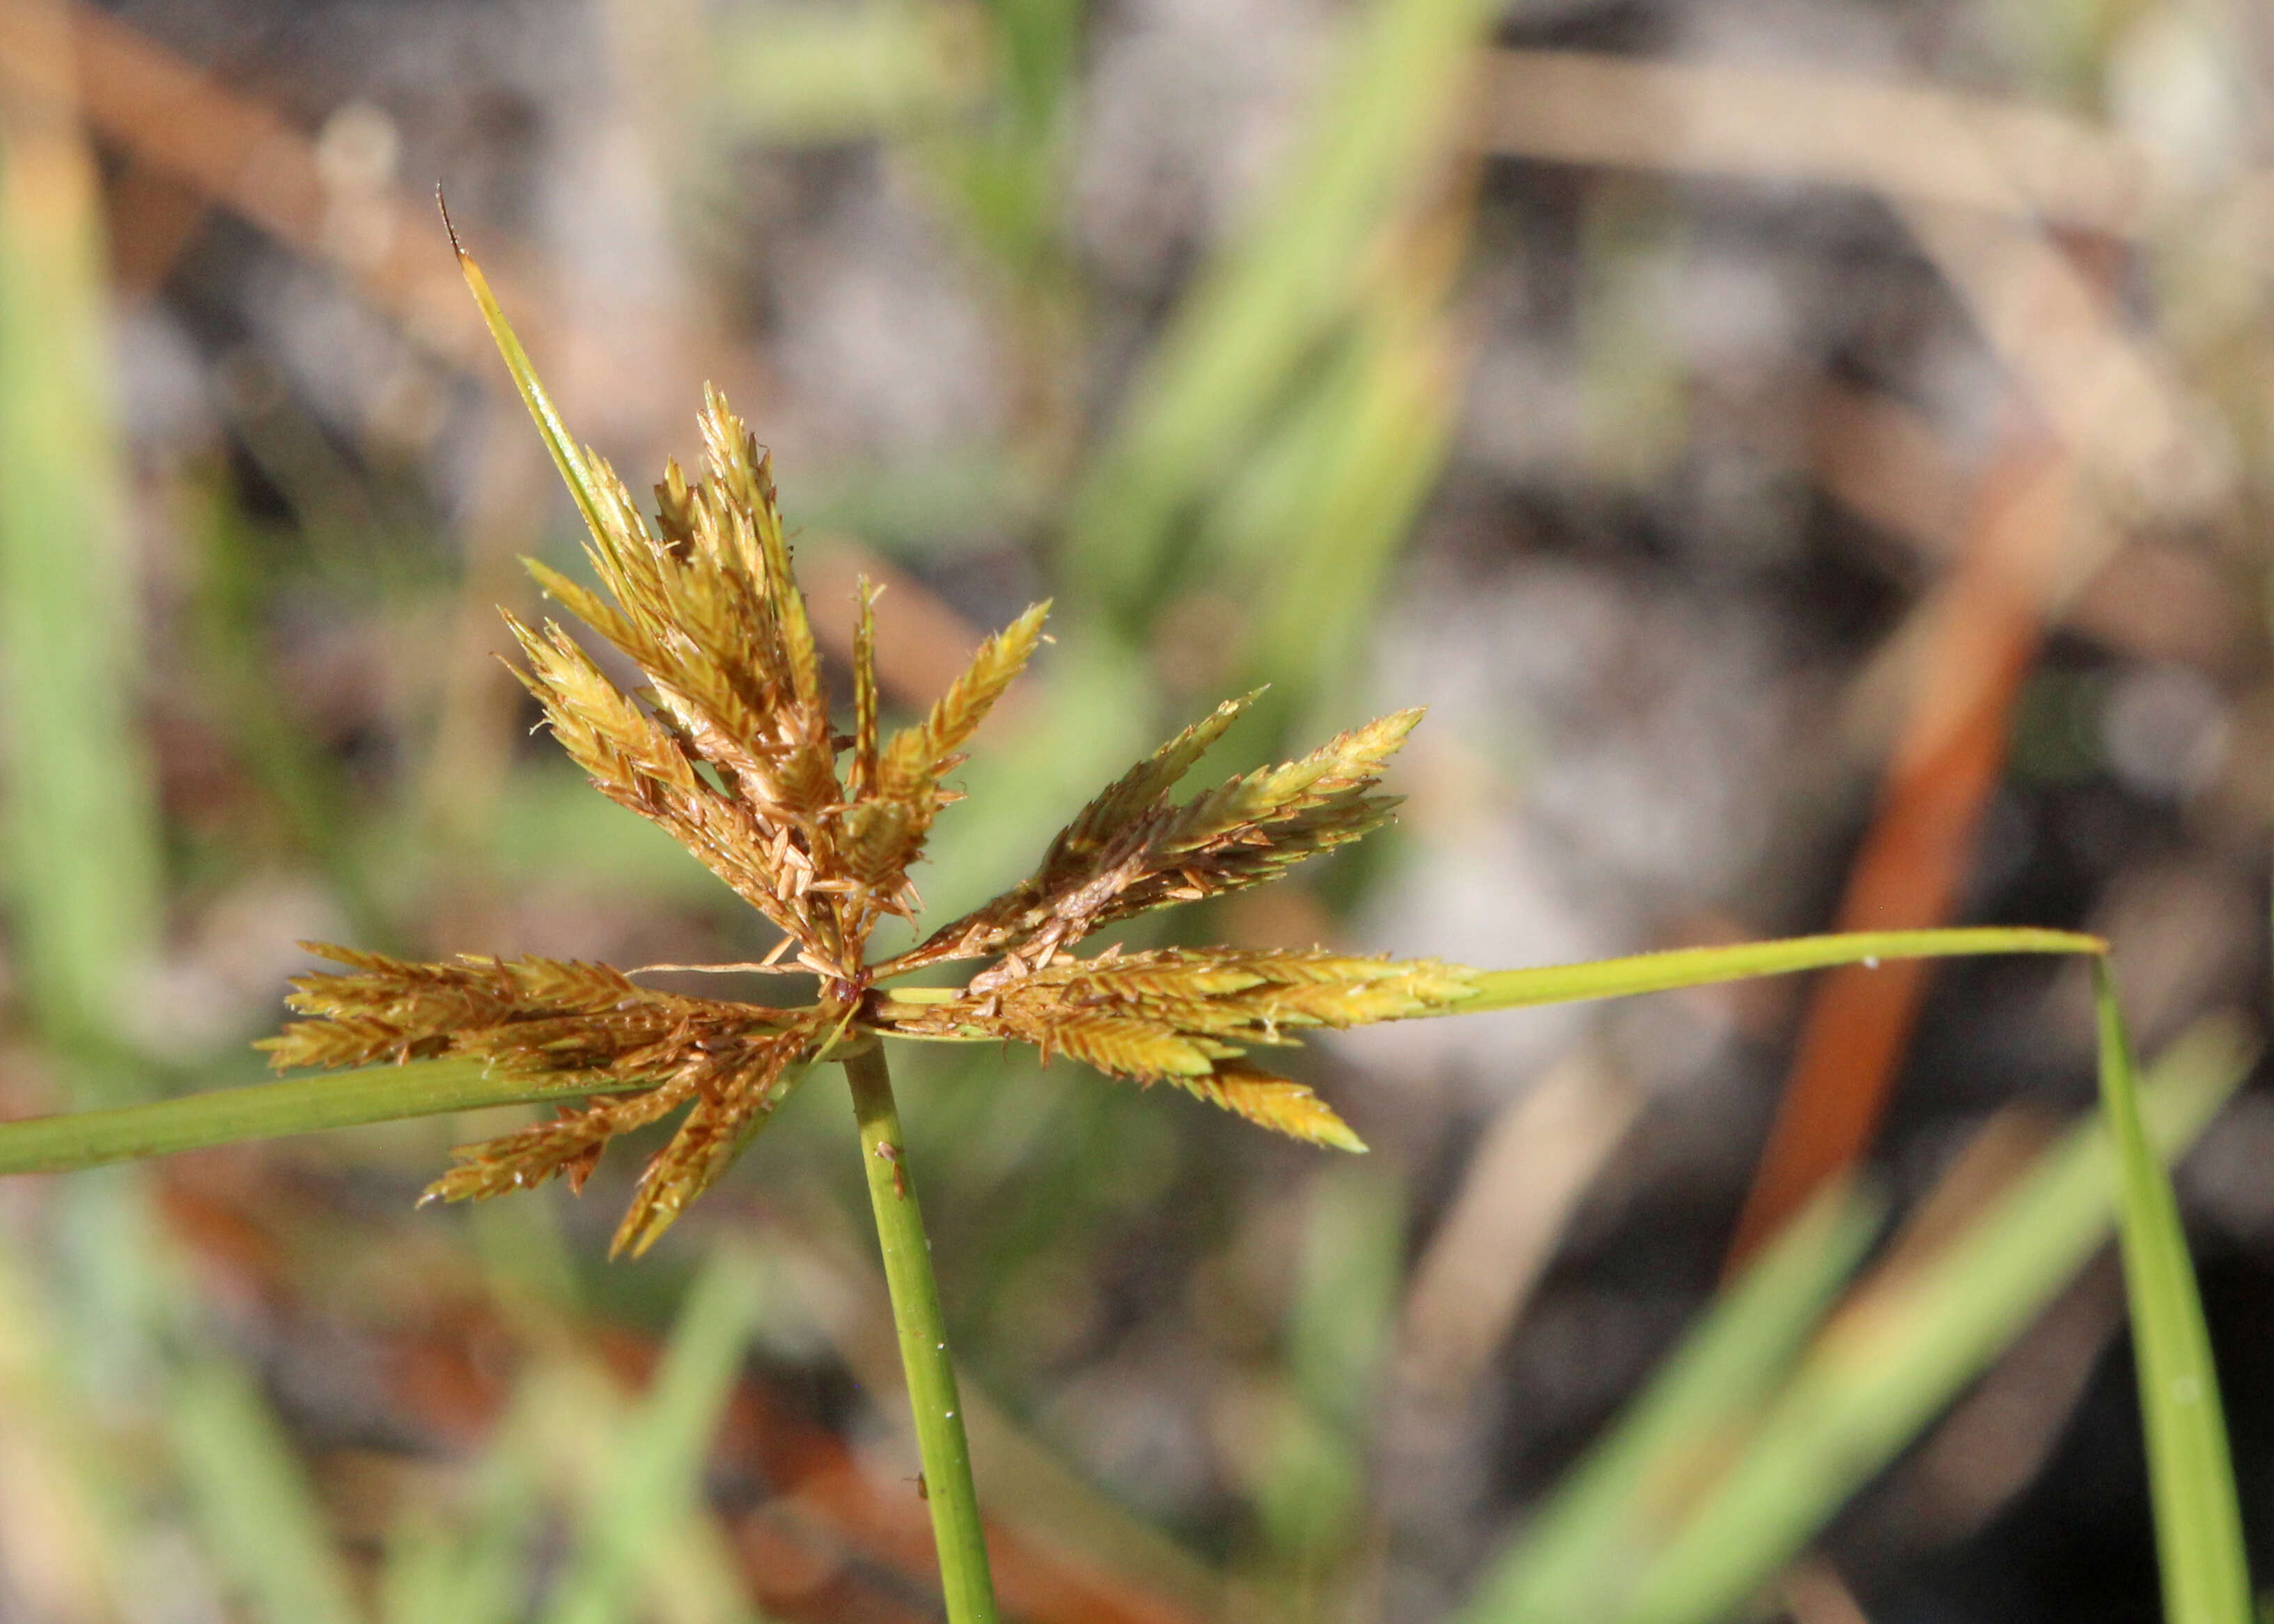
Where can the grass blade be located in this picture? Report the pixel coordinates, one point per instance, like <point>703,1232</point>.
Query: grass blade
<point>1340,488</point>
<point>1896,1359</point>
<point>655,1484</point>
<point>2191,1480</point>
<point>433,1575</point>
<point>83,866</point>
<point>1577,1557</point>
<point>1312,1487</point>
<point>468,1560</point>
<point>258,1512</point>
<point>806,76</point>
<point>1699,966</point>
<point>1227,363</point>
<point>266,1111</point>
<point>73,1500</point>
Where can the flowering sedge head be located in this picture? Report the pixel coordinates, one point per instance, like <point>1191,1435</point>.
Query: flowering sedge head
<point>731,748</point>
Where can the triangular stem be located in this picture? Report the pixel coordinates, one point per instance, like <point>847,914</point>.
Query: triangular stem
<point>940,1442</point>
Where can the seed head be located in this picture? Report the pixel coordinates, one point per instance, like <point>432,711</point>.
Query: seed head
<point>728,747</point>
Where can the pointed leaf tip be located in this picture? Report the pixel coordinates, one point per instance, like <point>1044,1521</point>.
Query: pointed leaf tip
<point>443,204</point>
<point>568,457</point>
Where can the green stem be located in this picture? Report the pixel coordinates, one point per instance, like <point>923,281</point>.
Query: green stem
<point>946,1456</point>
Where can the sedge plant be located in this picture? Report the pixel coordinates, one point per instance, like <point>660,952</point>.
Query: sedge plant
<point>730,745</point>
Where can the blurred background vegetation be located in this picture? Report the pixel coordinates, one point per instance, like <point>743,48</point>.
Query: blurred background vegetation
<point>1812,456</point>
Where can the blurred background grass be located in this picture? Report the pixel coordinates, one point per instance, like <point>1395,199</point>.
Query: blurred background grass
<point>1811,457</point>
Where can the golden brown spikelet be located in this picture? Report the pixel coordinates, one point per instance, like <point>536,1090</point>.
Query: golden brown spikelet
<point>339,1041</point>
<point>1118,1044</point>
<point>1187,1016</point>
<point>730,1072</point>
<point>706,607</point>
<point>649,767</point>
<point>861,776</point>
<point>1132,850</point>
<point>1273,1103</point>
<point>885,830</point>
<point>538,1017</point>
<point>569,1146</point>
<point>734,1097</point>
<point>1079,857</point>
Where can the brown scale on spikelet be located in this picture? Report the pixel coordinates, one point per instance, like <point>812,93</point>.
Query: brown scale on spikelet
<point>729,748</point>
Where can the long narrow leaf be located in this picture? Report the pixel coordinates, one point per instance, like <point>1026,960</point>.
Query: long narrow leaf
<point>568,457</point>
<point>1577,1558</point>
<point>1872,1383</point>
<point>266,1111</point>
<point>78,1505</point>
<point>253,1499</point>
<point>468,1562</point>
<point>1292,274</point>
<point>655,1480</point>
<point>1699,966</point>
<point>2191,1480</point>
<point>82,848</point>
<point>1338,1327</point>
<point>1352,475</point>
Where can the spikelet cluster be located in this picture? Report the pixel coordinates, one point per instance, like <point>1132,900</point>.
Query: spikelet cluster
<point>1188,1016</point>
<point>573,1025</point>
<point>706,606</point>
<point>728,745</point>
<point>1132,849</point>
